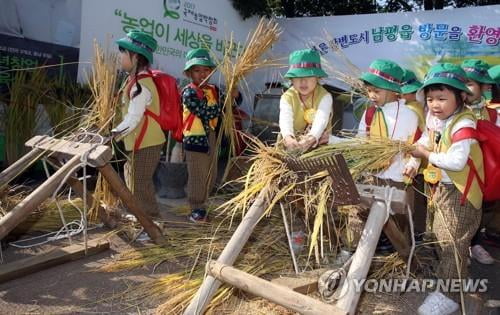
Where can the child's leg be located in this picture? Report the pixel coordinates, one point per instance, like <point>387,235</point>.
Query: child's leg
<point>139,173</point>
<point>198,165</point>
<point>454,226</point>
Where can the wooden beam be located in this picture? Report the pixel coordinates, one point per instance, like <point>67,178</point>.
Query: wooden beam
<point>54,257</point>
<point>280,295</point>
<point>371,193</point>
<point>361,260</point>
<point>399,240</point>
<point>121,191</point>
<point>23,209</point>
<point>229,254</point>
<point>19,166</point>
<point>98,154</point>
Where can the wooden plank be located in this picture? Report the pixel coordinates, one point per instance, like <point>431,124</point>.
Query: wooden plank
<point>275,293</point>
<point>229,254</point>
<point>55,257</point>
<point>303,285</point>
<point>99,155</point>
<point>19,166</point>
<point>371,193</point>
<point>23,209</point>
<point>121,191</point>
<point>399,240</point>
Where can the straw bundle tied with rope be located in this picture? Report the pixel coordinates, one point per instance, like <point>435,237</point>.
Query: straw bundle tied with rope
<point>250,59</point>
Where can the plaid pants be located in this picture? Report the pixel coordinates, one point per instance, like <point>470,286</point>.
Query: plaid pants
<point>139,171</point>
<point>202,173</point>
<point>454,226</point>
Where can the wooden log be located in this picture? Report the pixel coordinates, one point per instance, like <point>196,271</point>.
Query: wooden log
<point>398,239</point>
<point>280,295</point>
<point>361,261</point>
<point>121,191</point>
<point>21,211</point>
<point>97,154</point>
<point>55,257</point>
<point>229,254</point>
<point>19,166</point>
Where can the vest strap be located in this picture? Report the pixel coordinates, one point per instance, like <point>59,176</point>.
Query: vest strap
<point>470,178</point>
<point>370,113</point>
<point>142,133</point>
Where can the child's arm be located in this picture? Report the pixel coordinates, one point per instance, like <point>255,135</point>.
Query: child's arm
<point>322,117</point>
<point>135,112</point>
<point>286,125</point>
<point>199,107</point>
<point>413,163</point>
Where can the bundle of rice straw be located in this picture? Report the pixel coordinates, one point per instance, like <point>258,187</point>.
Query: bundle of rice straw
<point>251,58</point>
<point>99,119</point>
<point>269,170</point>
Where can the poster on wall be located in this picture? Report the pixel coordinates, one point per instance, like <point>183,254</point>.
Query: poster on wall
<point>21,53</point>
<point>415,40</point>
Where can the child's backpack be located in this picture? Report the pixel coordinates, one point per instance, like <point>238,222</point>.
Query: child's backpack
<point>170,117</point>
<point>487,134</point>
<point>492,114</point>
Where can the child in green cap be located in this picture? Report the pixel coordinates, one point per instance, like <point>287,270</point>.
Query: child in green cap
<point>452,162</point>
<point>202,105</point>
<point>479,81</point>
<point>306,107</point>
<point>388,116</point>
<point>142,136</point>
<point>409,88</point>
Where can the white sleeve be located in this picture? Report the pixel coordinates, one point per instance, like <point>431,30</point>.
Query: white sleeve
<point>286,119</point>
<point>362,126</point>
<point>457,155</point>
<point>322,116</point>
<point>135,110</point>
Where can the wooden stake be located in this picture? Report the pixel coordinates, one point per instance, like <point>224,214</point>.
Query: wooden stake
<point>280,295</point>
<point>121,191</point>
<point>18,167</point>
<point>20,212</point>
<point>229,254</point>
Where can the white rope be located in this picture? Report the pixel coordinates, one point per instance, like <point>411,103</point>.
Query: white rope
<point>77,226</point>
<point>412,250</point>
<point>389,191</point>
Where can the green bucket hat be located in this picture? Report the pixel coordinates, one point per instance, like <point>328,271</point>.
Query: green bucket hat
<point>198,57</point>
<point>494,73</point>
<point>410,82</point>
<point>384,74</point>
<point>305,63</point>
<point>477,70</point>
<point>444,73</point>
<point>139,42</point>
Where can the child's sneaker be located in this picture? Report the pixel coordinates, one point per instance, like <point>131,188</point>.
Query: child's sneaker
<point>437,303</point>
<point>198,215</point>
<point>481,255</point>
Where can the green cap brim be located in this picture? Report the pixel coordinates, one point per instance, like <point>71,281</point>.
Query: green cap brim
<point>411,88</point>
<point>130,46</point>
<point>481,79</point>
<point>380,83</point>
<point>454,83</point>
<point>199,62</point>
<point>305,72</point>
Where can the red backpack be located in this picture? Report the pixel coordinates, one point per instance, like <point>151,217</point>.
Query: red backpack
<point>488,136</point>
<point>170,117</point>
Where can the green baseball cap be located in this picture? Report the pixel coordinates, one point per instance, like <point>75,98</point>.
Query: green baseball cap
<point>410,82</point>
<point>477,70</point>
<point>384,74</point>
<point>445,73</point>
<point>139,42</point>
<point>494,73</point>
<point>198,57</point>
<point>305,63</point>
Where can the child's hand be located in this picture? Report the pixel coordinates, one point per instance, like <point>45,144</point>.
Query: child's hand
<point>325,137</point>
<point>410,171</point>
<point>420,152</point>
<point>291,143</point>
<point>307,142</point>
